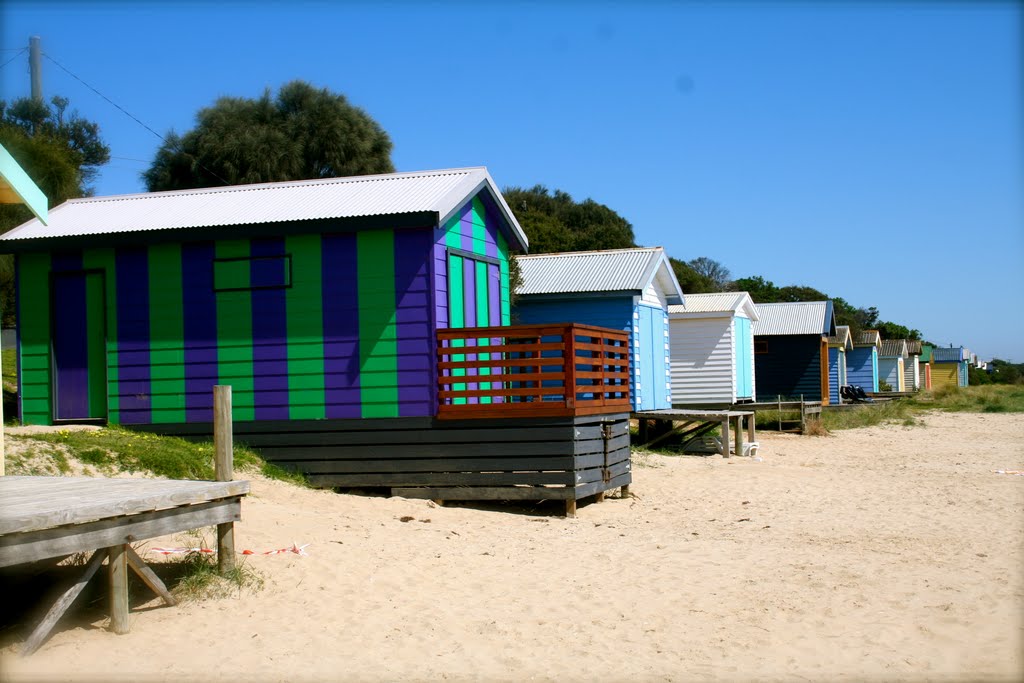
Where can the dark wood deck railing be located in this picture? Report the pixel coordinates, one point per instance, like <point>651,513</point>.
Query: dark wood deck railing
<point>532,371</point>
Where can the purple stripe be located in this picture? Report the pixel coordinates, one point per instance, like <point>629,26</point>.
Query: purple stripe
<point>199,308</point>
<point>469,301</point>
<point>70,352</point>
<point>269,332</point>
<point>440,284</point>
<point>414,342</point>
<point>341,326</point>
<point>133,335</point>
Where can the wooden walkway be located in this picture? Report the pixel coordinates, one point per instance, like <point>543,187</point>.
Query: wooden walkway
<point>694,423</point>
<point>53,517</point>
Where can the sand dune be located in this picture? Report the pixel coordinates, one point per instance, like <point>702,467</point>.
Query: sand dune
<point>887,553</point>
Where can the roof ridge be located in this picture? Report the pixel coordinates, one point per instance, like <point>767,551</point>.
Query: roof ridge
<point>586,252</point>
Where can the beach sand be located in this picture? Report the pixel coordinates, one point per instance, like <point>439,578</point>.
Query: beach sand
<point>885,553</point>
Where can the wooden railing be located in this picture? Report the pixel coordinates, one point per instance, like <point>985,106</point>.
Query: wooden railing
<point>532,371</point>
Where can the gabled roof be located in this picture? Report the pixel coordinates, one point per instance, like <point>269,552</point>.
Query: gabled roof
<point>611,270</point>
<point>914,347</point>
<point>952,354</point>
<point>842,338</point>
<point>440,192</point>
<point>893,348</point>
<point>800,317</point>
<point>868,338</point>
<point>721,303</point>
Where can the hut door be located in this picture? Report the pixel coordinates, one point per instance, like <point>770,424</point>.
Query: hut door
<point>79,355</point>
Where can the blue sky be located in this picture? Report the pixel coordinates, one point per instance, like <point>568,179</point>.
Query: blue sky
<point>870,150</point>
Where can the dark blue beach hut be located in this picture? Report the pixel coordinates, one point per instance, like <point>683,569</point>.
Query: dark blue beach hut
<point>791,350</point>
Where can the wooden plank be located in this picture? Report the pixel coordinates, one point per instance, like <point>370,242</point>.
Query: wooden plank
<point>224,466</point>
<point>598,473</point>
<point>65,540</point>
<point>436,465</point>
<point>487,492</point>
<point>430,436</point>
<point>725,437</point>
<point>117,561</point>
<point>62,604</point>
<point>447,351</point>
<point>434,479</point>
<point>519,378</point>
<point>148,576</point>
<point>499,391</point>
<point>502,363</point>
<point>56,501</point>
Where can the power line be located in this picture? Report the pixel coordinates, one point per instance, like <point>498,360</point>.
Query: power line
<point>133,118</point>
<point>20,53</point>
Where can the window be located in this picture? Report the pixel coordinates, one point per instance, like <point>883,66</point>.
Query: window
<point>256,272</point>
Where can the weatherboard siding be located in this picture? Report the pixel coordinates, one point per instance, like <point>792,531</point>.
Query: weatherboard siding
<point>303,327</point>
<point>790,368</point>
<point>703,365</point>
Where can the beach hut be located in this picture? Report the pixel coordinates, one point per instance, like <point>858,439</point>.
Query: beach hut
<point>912,370</point>
<point>925,366</point>
<point>621,289</point>
<point>838,346</point>
<point>712,349</point>
<point>791,350</point>
<point>892,363</point>
<point>862,360</point>
<point>949,367</point>
<point>345,313</point>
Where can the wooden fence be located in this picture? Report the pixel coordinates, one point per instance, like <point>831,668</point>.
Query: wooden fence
<point>532,371</point>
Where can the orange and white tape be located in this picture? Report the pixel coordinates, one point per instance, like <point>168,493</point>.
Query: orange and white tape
<point>1016,473</point>
<point>295,549</point>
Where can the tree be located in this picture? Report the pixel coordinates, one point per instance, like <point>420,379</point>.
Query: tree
<point>690,280</point>
<point>555,222</point>
<point>894,331</point>
<point>60,151</point>
<point>761,291</point>
<point>301,133</point>
<point>715,272</point>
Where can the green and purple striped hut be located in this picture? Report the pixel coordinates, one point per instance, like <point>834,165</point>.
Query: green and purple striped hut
<point>318,301</point>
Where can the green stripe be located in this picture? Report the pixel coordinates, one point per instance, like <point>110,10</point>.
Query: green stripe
<point>378,346</point>
<point>34,323</point>
<point>166,334</point>
<point>506,315</point>
<point>304,305</point>
<point>457,314</point>
<point>479,219</point>
<point>234,338</point>
<point>103,259</point>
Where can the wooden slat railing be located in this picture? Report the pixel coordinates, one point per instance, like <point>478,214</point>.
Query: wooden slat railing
<point>532,371</point>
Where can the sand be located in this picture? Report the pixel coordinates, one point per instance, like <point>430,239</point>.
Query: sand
<point>885,553</point>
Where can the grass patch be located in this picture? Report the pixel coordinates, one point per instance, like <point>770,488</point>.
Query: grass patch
<point>868,415</point>
<point>196,577</point>
<point>119,449</point>
<point>990,398</point>
<point>10,369</point>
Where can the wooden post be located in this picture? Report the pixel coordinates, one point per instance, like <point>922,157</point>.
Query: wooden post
<point>224,464</point>
<point>752,427</point>
<point>780,412</point>
<point>725,435</point>
<point>569,360</point>
<point>62,605</point>
<point>570,507</point>
<point>624,491</point>
<point>739,435</point>
<point>118,560</point>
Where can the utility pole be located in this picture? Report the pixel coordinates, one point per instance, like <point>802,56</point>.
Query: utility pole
<point>36,68</point>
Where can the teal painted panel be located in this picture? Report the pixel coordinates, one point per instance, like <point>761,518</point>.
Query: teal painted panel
<point>744,360</point>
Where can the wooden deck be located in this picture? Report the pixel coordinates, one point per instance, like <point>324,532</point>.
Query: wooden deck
<point>694,423</point>
<point>53,517</point>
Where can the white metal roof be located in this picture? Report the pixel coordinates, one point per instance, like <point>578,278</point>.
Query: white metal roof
<point>443,191</point>
<point>714,302</point>
<point>892,348</point>
<point>868,338</point>
<point>612,270</point>
<point>801,317</point>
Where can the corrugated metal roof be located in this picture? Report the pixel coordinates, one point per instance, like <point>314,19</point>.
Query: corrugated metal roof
<point>842,337</point>
<point>716,302</point>
<point>868,338</point>
<point>612,270</point>
<point>442,191</point>
<point>893,347</point>
<point>914,347</point>
<point>942,354</point>
<point>803,317</point>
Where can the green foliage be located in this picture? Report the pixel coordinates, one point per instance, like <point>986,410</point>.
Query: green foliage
<point>119,449</point>
<point>60,151</point>
<point>301,133</point>
<point>894,331</point>
<point>1004,372</point>
<point>870,414</point>
<point>690,280</point>
<point>717,274</point>
<point>554,222</point>
<point>884,386</point>
<point>992,398</point>
<point>761,291</point>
